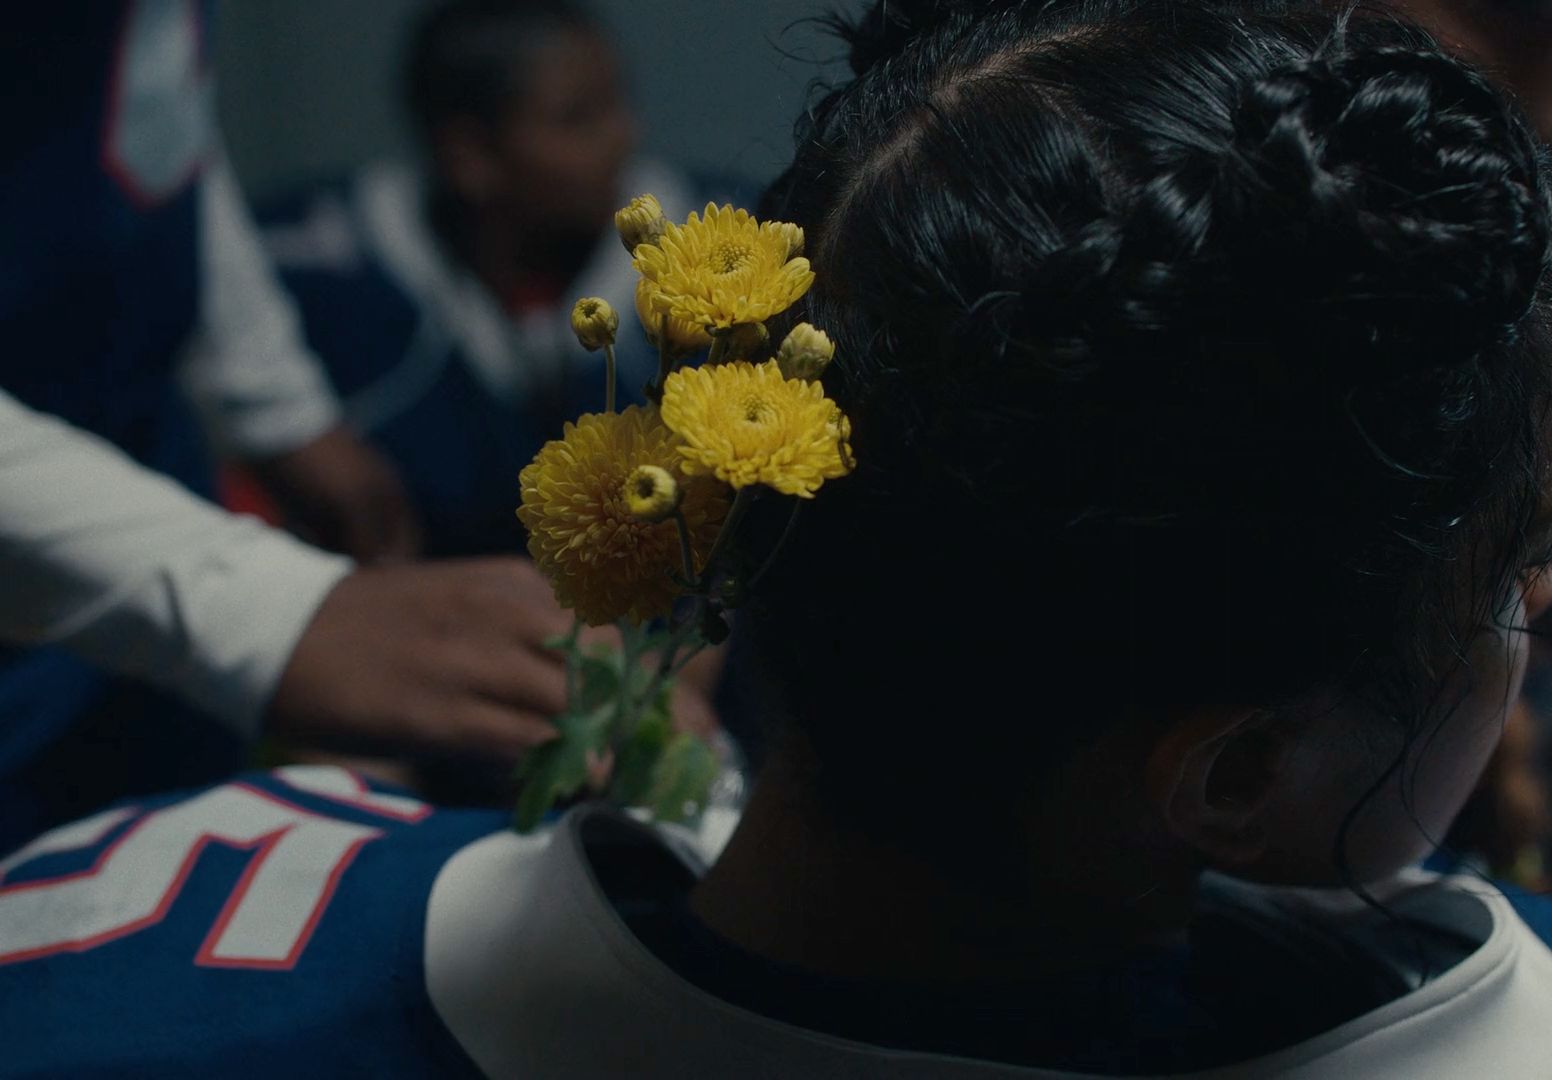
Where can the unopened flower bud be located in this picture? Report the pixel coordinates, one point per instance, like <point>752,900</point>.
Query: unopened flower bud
<point>794,236</point>
<point>651,493</point>
<point>594,322</point>
<point>805,353</point>
<point>640,222</point>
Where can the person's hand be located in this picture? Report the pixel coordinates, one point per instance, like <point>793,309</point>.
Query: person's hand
<point>342,494</point>
<point>694,691</point>
<point>692,710</point>
<point>445,658</point>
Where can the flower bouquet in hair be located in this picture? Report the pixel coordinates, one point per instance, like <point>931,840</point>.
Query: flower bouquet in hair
<point>634,514</point>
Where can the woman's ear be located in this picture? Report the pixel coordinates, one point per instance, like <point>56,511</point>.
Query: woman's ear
<point>1212,776</point>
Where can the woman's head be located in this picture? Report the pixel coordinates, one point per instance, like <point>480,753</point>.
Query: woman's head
<point>521,105</point>
<point>1198,385</point>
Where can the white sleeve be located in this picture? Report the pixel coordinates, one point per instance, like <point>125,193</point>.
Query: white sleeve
<point>136,574</point>
<point>258,388</point>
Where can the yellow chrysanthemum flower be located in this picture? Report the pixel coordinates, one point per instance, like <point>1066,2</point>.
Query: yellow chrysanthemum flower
<point>641,221</point>
<point>684,338</point>
<point>725,269</point>
<point>594,322</point>
<point>651,493</point>
<point>805,352</point>
<point>747,425</point>
<point>602,560</point>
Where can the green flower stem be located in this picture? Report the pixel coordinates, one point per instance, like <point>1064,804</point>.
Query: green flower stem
<point>628,708</point>
<point>684,545</point>
<point>679,665</point>
<point>683,635</point>
<point>665,364</point>
<point>781,542</point>
<point>573,659</point>
<point>719,346</point>
<point>609,378</point>
<point>741,503</point>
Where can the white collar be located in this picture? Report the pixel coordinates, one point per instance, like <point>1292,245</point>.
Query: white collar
<point>536,975</point>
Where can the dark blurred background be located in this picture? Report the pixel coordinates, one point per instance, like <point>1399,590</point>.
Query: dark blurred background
<point>308,87</point>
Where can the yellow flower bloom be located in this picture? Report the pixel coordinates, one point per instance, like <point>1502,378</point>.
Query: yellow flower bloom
<point>805,352</point>
<point>684,338</point>
<point>640,222</point>
<point>651,493</point>
<point>725,269</point>
<point>594,322</point>
<point>601,559</point>
<point>747,425</point>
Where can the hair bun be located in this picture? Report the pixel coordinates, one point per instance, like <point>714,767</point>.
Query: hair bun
<point>1409,179</point>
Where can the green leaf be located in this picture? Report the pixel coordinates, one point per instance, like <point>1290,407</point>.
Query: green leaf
<point>599,684</point>
<point>638,679</point>
<point>638,755</point>
<point>682,778</point>
<point>601,651</point>
<point>558,769</point>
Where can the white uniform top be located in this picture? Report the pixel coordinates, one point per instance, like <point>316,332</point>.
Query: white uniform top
<point>137,575</point>
<point>127,568</point>
<point>247,369</point>
<point>381,220</point>
<point>537,976</point>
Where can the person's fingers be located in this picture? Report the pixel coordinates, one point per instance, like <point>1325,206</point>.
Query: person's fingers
<point>485,728</point>
<point>511,592</point>
<point>515,677</point>
<point>692,712</point>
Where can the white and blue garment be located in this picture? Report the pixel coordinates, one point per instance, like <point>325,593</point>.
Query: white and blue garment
<point>307,923</point>
<point>131,279</point>
<point>456,391</point>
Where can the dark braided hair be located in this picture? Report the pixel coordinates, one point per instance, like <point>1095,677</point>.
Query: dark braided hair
<point>1194,354</point>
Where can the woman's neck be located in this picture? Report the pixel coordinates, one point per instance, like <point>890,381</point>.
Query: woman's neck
<point>796,890</point>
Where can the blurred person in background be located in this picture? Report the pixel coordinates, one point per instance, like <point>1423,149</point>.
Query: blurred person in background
<point>439,295</point>
<point>133,296</point>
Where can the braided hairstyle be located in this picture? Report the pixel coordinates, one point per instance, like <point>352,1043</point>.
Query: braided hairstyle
<point>1194,354</point>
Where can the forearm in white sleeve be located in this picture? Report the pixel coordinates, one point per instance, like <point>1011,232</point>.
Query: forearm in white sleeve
<point>141,577</point>
<point>259,389</point>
